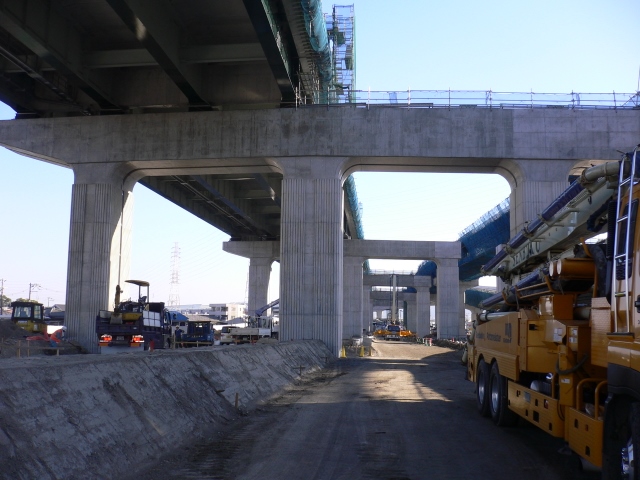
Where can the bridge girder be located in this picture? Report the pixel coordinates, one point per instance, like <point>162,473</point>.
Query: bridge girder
<point>97,57</point>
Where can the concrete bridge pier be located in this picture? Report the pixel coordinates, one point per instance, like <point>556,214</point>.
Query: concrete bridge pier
<point>259,274</point>
<point>353,300</point>
<point>311,250</point>
<point>423,310</point>
<point>99,246</point>
<point>367,308</point>
<point>462,288</point>
<point>534,184</point>
<point>261,256</point>
<point>448,319</point>
<point>411,319</point>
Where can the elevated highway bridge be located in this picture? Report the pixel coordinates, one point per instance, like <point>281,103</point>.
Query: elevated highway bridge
<point>215,106</point>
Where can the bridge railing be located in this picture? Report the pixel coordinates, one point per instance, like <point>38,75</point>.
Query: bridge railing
<point>392,272</point>
<point>477,99</point>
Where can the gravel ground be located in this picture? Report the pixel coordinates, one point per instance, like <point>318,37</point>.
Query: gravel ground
<point>405,412</point>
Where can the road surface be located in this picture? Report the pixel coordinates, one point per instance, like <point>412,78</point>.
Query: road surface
<point>404,413</point>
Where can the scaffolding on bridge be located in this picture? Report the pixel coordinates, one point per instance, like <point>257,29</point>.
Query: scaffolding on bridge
<point>330,77</point>
<point>341,31</point>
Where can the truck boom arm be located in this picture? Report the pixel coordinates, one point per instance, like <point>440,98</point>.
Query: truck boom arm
<point>261,310</point>
<point>576,213</point>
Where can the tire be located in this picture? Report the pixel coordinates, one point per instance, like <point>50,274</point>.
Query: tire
<point>633,445</point>
<point>621,440</point>
<point>499,403</point>
<point>482,388</point>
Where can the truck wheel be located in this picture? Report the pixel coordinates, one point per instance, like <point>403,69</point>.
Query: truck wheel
<point>621,440</point>
<point>633,444</point>
<point>482,388</point>
<point>499,404</point>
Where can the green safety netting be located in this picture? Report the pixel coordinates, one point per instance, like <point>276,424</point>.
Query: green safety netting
<point>353,205</point>
<point>314,21</point>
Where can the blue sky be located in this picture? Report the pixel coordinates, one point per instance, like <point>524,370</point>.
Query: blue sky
<point>544,46</point>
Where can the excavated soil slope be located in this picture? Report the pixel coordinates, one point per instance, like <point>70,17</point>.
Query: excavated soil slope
<point>104,416</point>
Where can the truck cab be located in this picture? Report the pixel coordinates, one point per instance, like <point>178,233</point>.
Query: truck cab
<point>226,335</point>
<point>199,333</point>
<point>393,332</point>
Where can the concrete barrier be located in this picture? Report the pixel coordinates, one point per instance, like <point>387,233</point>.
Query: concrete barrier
<point>89,416</point>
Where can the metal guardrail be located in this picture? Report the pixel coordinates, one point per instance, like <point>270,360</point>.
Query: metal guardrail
<point>480,99</point>
<point>391,272</point>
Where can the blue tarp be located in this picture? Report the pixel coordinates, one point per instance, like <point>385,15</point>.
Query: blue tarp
<point>478,242</point>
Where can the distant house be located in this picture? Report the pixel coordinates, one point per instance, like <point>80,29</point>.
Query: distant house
<point>56,312</point>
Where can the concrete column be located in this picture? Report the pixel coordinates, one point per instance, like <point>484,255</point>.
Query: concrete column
<point>259,273</point>
<point>352,297</point>
<point>411,312</point>
<point>534,185</point>
<point>367,308</point>
<point>311,250</point>
<point>448,319</point>
<point>261,255</point>
<point>423,311</point>
<point>99,248</point>
<point>463,287</point>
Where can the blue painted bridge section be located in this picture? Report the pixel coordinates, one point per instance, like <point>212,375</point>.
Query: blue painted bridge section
<point>479,241</point>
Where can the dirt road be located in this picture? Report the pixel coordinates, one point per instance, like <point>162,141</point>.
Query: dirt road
<point>404,413</point>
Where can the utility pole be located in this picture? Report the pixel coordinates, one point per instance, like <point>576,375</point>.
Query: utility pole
<point>1,295</point>
<point>33,286</point>
<point>48,299</point>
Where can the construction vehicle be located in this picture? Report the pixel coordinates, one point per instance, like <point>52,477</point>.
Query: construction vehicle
<point>260,311</point>
<point>394,332</point>
<point>29,316</point>
<point>134,323</point>
<point>559,346</point>
<point>199,333</point>
<point>257,327</point>
<point>226,334</point>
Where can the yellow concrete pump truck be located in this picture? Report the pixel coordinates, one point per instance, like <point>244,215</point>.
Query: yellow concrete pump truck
<point>559,346</point>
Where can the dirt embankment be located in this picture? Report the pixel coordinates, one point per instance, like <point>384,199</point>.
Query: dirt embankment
<point>101,416</point>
